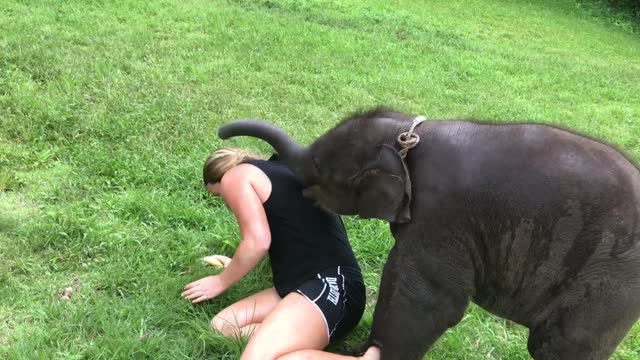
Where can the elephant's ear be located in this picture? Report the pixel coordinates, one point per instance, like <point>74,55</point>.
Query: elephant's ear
<point>383,188</point>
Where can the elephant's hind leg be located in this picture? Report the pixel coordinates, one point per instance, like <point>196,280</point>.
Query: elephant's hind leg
<point>549,343</point>
<point>589,330</point>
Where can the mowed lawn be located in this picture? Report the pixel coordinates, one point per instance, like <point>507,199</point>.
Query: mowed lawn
<point>108,110</point>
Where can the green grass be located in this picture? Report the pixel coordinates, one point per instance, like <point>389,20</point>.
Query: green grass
<point>108,110</point>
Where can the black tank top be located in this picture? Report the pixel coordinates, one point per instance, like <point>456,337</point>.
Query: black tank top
<point>305,239</point>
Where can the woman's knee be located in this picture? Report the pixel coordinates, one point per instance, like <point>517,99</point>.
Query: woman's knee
<point>222,324</point>
<point>216,323</point>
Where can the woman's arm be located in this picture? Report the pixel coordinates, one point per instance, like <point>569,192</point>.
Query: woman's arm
<point>240,189</point>
<point>243,188</point>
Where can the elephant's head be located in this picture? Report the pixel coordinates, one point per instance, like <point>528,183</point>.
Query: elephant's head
<point>352,169</point>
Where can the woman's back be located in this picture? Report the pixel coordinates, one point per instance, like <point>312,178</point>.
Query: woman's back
<point>305,239</point>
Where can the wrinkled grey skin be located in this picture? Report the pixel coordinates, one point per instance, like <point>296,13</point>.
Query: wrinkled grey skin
<point>532,223</point>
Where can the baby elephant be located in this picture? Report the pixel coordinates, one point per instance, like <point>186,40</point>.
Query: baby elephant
<point>532,223</point>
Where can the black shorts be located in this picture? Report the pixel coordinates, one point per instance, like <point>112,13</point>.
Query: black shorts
<point>339,294</point>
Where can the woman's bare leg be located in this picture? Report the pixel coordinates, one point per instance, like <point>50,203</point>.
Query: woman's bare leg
<point>295,329</point>
<point>243,317</point>
<point>294,324</point>
<point>372,354</point>
<point>248,330</point>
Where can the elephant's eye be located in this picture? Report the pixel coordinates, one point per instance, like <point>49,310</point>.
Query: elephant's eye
<point>316,167</point>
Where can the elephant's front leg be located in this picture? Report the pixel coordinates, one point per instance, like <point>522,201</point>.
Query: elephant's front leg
<point>421,296</point>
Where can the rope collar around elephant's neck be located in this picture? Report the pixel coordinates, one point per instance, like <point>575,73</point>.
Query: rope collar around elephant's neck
<point>408,140</point>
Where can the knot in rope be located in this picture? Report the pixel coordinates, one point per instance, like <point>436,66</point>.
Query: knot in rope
<point>408,140</point>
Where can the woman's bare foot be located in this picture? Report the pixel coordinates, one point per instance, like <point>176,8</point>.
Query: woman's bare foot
<point>373,353</point>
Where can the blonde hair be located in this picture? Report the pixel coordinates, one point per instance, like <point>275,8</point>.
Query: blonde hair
<point>220,161</point>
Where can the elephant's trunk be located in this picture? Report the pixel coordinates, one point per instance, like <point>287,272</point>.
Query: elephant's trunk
<point>288,149</point>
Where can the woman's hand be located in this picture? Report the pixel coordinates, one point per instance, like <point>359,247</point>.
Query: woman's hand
<point>204,289</point>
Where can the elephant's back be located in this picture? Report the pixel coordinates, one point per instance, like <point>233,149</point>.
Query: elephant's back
<point>534,156</point>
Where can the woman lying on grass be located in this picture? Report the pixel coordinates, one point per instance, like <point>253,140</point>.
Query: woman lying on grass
<point>318,294</point>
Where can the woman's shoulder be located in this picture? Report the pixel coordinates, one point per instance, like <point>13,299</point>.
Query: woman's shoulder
<point>244,175</point>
